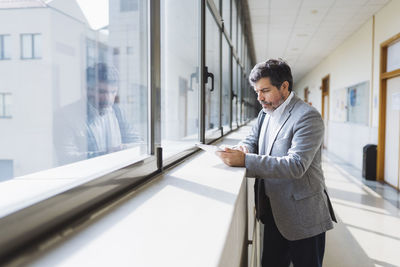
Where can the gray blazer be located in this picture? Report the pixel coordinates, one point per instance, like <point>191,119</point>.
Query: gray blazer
<point>290,172</point>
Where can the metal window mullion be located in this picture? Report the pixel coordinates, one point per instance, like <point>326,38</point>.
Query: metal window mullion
<point>154,75</point>
<point>220,79</point>
<point>202,60</point>
<point>230,88</point>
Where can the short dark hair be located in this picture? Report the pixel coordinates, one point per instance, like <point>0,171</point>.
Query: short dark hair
<point>277,70</point>
<point>100,72</point>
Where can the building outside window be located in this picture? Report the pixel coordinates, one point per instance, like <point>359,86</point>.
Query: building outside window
<point>5,105</point>
<point>31,46</point>
<point>5,51</point>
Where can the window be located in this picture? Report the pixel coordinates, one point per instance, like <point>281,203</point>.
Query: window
<point>234,94</point>
<point>226,15</point>
<point>179,76</point>
<point>89,108</point>
<point>128,5</point>
<point>213,85</point>
<point>5,47</point>
<point>393,56</point>
<point>234,25</point>
<point>31,46</point>
<point>86,101</point>
<point>5,105</point>
<point>226,85</point>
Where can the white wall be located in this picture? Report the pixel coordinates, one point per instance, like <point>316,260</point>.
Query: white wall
<point>354,61</point>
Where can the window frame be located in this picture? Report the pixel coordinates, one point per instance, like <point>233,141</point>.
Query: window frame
<point>32,48</point>
<point>4,109</point>
<point>2,46</point>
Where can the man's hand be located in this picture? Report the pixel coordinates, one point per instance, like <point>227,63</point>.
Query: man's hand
<point>232,157</point>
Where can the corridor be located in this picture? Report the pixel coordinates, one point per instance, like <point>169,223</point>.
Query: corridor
<point>368,231</point>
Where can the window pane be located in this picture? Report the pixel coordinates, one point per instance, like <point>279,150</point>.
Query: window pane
<point>88,99</point>
<point>393,57</point>
<point>7,46</point>
<point>226,15</point>
<point>213,64</point>
<point>26,45</point>
<point>226,84</point>
<point>179,75</point>
<point>234,24</point>
<point>234,92</point>
<point>240,95</point>
<point>37,46</point>
<point>239,47</point>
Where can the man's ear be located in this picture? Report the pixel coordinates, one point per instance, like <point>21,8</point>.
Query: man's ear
<point>285,87</point>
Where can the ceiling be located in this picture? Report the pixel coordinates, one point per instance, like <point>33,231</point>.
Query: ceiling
<point>304,32</point>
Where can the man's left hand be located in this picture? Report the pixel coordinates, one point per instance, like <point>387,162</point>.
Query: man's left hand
<point>232,157</point>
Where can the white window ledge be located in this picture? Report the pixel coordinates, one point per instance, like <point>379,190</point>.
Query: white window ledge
<point>192,215</point>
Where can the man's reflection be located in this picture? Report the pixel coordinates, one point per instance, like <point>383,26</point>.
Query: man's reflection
<point>105,129</point>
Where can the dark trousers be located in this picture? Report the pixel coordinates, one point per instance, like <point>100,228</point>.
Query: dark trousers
<point>279,252</point>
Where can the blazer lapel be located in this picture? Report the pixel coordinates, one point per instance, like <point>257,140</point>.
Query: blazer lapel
<point>285,116</point>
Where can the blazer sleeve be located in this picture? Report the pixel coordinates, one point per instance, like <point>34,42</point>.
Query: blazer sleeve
<point>308,133</point>
<point>251,141</point>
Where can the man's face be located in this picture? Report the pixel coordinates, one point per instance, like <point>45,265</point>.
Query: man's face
<point>106,94</point>
<point>269,96</point>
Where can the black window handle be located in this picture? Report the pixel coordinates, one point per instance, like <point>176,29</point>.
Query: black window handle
<point>208,75</point>
<point>234,95</point>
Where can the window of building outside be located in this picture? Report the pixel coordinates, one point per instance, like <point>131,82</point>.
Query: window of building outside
<point>179,75</point>
<point>5,105</point>
<point>31,46</point>
<point>5,46</point>
<point>86,107</point>
<point>213,64</point>
<point>128,5</point>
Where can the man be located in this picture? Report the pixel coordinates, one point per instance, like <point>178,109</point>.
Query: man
<point>96,126</point>
<point>283,151</point>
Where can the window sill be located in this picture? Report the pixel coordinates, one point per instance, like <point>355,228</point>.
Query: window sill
<point>24,191</point>
<point>191,215</point>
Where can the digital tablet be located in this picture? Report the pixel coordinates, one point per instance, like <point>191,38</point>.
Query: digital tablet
<point>209,148</point>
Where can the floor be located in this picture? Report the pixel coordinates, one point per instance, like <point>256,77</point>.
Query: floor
<point>368,230</point>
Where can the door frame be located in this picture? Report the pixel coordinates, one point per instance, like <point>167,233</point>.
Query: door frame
<point>325,92</point>
<point>383,77</point>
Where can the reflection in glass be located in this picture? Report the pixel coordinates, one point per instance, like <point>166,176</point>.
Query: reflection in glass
<point>226,15</point>
<point>234,93</point>
<point>226,84</point>
<point>179,75</point>
<point>85,95</point>
<point>213,64</point>
<point>234,24</point>
<point>5,46</point>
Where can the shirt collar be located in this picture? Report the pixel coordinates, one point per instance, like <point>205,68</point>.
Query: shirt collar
<point>278,112</point>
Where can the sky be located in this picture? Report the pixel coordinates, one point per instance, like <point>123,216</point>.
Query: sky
<point>96,12</point>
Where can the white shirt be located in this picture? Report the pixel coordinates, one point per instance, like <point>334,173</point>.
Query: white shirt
<point>270,124</point>
<point>105,129</point>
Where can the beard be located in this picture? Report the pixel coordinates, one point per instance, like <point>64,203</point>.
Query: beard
<point>269,107</point>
